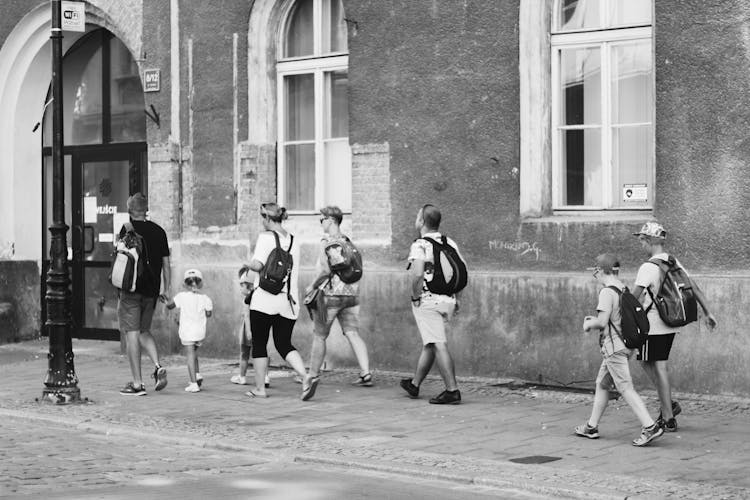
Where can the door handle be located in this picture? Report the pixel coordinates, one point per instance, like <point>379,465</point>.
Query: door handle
<point>90,229</point>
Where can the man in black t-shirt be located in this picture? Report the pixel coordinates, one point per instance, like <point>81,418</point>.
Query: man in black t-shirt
<point>135,310</point>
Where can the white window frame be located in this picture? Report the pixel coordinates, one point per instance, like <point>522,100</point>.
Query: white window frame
<point>317,65</point>
<point>604,39</point>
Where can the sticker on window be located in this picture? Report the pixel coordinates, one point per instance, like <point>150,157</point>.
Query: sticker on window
<point>635,192</point>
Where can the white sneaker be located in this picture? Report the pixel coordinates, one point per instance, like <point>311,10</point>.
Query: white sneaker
<point>193,387</point>
<point>238,379</point>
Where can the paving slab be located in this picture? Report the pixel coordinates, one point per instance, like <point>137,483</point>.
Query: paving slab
<point>380,429</point>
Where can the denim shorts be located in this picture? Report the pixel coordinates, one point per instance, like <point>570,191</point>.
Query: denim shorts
<point>135,312</point>
<point>615,369</point>
<point>345,308</point>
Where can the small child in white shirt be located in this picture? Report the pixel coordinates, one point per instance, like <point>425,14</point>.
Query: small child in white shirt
<point>194,307</point>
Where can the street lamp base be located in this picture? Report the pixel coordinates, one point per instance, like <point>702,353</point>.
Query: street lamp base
<point>62,395</point>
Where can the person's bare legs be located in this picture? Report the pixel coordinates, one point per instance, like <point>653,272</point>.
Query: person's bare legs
<point>360,351</point>
<point>149,345</point>
<point>134,356</point>
<point>659,375</point>
<point>295,361</point>
<point>260,367</point>
<point>192,362</point>
<point>317,355</point>
<point>445,366</point>
<point>424,364</point>
<point>601,398</point>
<point>638,406</point>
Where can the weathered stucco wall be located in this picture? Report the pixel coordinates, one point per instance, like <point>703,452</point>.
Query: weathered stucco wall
<point>702,119</point>
<point>438,82</point>
<point>20,309</point>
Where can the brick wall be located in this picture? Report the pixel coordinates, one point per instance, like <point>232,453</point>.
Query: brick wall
<point>371,192</point>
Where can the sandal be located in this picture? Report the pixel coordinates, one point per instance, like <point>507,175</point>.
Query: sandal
<point>252,394</point>
<point>309,391</point>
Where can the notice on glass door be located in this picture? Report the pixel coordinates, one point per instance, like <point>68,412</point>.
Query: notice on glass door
<point>89,210</point>
<point>118,219</point>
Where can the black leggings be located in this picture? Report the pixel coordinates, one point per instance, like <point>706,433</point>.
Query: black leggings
<point>260,326</point>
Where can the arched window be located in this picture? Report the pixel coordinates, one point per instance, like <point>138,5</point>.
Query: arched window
<point>602,104</point>
<point>103,96</point>
<point>314,157</point>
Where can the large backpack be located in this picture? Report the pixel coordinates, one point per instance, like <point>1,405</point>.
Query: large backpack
<point>634,325</point>
<point>449,270</point>
<point>129,262</point>
<point>675,299</point>
<point>277,271</point>
<point>344,259</point>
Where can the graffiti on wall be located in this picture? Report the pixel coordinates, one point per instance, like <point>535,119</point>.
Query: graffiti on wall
<point>520,248</point>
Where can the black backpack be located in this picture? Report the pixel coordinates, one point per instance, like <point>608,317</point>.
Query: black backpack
<point>449,270</point>
<point>344,260</point>
<point>634,322</point>
<point>675,299</point>
<point>277,270</point>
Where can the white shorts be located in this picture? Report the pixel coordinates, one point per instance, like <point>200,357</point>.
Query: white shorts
<point>431,319</point>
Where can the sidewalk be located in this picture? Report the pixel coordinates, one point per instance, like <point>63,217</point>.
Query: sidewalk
<point>498,436</point>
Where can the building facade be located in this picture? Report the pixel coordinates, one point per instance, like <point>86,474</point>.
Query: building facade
<point>547,131</point>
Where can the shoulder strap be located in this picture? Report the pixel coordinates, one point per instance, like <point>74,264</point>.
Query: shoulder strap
<point>291,240</point>
<point>612,325</point>
<point>276,238</point>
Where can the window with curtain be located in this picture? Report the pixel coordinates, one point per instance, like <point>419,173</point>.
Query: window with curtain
<point>603,104</point>
<point>314,157</point>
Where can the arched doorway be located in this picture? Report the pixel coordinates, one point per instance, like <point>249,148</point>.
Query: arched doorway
<point>104,133</point>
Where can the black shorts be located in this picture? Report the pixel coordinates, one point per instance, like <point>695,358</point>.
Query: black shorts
<point>656,348</point>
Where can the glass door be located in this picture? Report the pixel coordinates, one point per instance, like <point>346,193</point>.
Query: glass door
<point>96,208</point>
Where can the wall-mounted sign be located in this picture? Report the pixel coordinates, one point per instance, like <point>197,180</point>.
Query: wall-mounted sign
<point>151,80</point>
<point>635,192</point>
<point>73,16</point>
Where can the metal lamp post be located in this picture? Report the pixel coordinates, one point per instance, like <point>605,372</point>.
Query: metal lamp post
<point>61,382</point>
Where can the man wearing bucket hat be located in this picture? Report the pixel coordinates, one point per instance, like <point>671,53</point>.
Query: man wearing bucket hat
<point>655,351</point>
<point>135,310</point>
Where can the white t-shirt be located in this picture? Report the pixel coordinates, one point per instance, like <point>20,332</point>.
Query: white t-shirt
<point>422,250</point>
<point>276,304</point>
<point>193,307</point>
<point>650,276</point>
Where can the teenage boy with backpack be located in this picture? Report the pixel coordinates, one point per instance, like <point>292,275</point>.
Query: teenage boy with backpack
<point>339,269</point>
<point>438,273</point>
<point>614,368</point>
<point>648,286</point>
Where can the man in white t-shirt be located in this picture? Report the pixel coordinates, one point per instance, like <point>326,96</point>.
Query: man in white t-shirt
<point>431,311</point>
<point>655,351</point>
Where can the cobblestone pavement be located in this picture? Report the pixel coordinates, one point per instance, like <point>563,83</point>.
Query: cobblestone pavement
<point>378,429</point>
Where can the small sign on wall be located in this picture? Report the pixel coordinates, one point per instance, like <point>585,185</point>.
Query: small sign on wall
<point>635,192</point>
<point>73,16</point>
<point>151,80</point>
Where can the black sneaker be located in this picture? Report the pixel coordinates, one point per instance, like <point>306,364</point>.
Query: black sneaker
<point>447,398</point>
<point>676,410</point>
<point>160,378</point>
<point>410,388</point>
<point>668,425</point>
<point>132,390</point>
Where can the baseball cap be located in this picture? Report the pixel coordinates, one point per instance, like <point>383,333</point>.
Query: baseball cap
<point>137,203</point>
<point>653,230</point>
<point>607,262</point>
<point>192,273</point>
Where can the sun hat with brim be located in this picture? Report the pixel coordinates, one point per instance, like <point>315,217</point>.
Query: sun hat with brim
<point>607,262</point>
<point>192,273</point>
<point>652,230</point>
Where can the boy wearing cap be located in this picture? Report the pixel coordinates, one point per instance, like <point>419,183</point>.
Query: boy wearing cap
<point>194,308</point>
<point>614,368</point>
<point>655,351</point>
<point>135,310</point>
